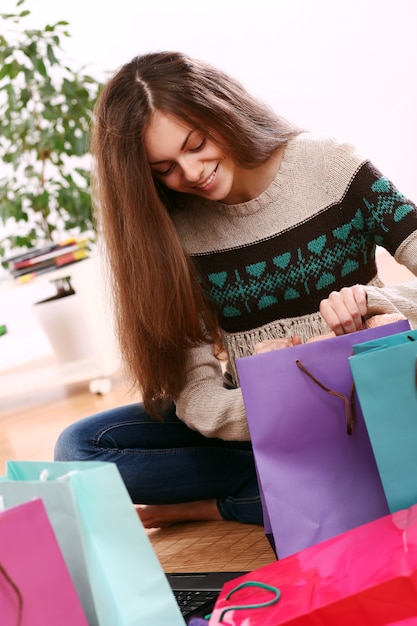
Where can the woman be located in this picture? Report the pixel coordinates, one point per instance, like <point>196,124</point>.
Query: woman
<point>229,231</point>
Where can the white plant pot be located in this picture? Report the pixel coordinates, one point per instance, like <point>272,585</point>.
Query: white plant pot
<point>63,323</point>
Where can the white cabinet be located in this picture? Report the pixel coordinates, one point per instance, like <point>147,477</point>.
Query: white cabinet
<point>82,323</point>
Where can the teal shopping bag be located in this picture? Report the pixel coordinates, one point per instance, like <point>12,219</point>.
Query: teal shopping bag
<point>114,568</point>
<point>384,373</point>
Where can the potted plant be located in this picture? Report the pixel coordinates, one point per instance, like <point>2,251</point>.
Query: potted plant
<point>45,114</point>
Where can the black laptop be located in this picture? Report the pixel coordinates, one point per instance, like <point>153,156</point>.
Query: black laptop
<point>196,593</point>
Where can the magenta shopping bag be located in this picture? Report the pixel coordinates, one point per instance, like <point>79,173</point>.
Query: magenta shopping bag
<point>364,577</point>
<point>316,479</point>
<point>36,588</point>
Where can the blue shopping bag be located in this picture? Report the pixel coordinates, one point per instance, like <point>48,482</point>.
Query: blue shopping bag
<point>384,373</point>
<point>114,568</point>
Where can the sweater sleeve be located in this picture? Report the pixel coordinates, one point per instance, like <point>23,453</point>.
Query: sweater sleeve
<point>206,405</point>
<point>400,299</point>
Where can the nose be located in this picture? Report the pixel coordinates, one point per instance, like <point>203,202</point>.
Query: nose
<point>191,168</point>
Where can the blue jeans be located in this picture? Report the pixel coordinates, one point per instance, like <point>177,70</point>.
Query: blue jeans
<point>165,462</point>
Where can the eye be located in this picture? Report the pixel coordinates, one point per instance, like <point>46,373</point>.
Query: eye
<point>165,172</point>
<point>200,145</point>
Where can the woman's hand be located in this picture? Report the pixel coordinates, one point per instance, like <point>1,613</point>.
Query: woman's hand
<point>344,310</point>
<point>276,344</point>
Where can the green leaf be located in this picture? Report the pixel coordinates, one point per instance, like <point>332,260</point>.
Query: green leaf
<point>40,66</point>
<point>45,119</point>
<point>51,54</point>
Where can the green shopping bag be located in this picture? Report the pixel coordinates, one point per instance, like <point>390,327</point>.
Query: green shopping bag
<point>114,568</point>
<point>384,373</point>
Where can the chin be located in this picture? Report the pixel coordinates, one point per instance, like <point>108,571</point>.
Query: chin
<point>220,194</point>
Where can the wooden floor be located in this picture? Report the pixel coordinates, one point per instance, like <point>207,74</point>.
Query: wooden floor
<point>29,427</point>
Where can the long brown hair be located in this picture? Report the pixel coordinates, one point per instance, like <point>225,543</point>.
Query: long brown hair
<point>160,308</point>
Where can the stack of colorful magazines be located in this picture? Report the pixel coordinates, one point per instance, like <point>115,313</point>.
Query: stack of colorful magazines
<point>36,261</point>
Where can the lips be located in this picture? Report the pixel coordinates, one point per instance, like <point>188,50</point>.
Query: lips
<point>209,180</point>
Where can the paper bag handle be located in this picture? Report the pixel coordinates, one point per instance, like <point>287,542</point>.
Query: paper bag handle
<point>251,583</point>
<point>18,593</point>
<point>348,402</point>
<point>411,338</point>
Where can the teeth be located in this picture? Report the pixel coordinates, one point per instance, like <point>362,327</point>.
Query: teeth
<point>209,180</point>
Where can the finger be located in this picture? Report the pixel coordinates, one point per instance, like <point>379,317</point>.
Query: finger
<point>355,302</point>
<point>271,344</point>
<point>343,310</point>
<point>295,340</point>
<point>331,317</point>
<point>361,298</point>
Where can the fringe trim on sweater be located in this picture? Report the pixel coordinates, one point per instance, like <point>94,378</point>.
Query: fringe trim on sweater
<point>243,344</point>
<point>238,345</point>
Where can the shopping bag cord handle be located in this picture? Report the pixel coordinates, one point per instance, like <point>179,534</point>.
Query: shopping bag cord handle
<point>251,583</point>
<point>18,593</point>
<point>411,338</point>
<point>348,402</point>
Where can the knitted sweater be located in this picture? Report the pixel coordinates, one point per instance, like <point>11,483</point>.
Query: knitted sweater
<point>266,264</point>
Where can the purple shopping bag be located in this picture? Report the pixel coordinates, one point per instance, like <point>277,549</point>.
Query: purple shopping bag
<point>316,480</point>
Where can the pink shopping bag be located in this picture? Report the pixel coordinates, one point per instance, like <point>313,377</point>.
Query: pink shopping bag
<point>366,576</point>
<point>35,586</point>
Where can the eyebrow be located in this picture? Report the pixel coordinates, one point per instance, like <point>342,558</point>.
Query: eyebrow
<point>184,143</point>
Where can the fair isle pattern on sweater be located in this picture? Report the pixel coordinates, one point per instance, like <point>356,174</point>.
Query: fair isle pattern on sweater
<point>312,231</point>
<point>267,263</point>
<point>288,274</point>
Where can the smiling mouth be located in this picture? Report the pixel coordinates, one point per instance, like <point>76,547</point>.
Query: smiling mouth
<point>209,180</point>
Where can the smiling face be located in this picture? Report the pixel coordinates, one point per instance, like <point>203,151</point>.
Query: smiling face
<point>183,159</point>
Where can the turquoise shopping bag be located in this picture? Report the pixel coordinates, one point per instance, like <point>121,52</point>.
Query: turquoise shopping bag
<point>114,568</point>
<point>384,373</point>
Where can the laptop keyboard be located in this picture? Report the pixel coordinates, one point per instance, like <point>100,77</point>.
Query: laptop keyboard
<point>195,603</point>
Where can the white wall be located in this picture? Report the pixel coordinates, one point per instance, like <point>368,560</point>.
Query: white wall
<point>343,68</point>
<point>346,68</point>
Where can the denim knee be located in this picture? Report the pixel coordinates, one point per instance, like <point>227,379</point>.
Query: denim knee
<point>69,444</point>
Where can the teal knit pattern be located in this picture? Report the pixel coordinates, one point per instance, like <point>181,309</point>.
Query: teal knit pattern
<point>277,278</point>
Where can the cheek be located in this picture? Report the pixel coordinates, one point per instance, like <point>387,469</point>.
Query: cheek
<point>227,167</point>
<point>172,182</point>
